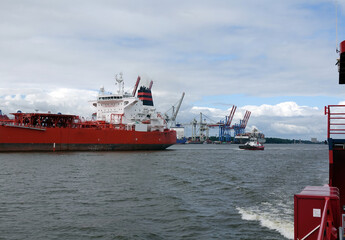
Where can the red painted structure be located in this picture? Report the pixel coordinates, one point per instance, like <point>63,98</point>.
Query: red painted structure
<point>231,116</point>
<point>316,208</point>
<point>243,123</point>
<point>320,211</point>
<point>50,132</point>
<point>228,119</point>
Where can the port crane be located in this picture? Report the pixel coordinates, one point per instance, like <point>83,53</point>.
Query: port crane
<point>224,126</point>
<point>224,130</point>
<point>239,128</point>
<point>203,130</point>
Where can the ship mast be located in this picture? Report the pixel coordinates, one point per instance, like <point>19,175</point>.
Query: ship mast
<point>119,80</point>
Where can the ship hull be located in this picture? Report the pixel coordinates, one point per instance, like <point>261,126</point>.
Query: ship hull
<point>14,139</point>
<point>252,147</point>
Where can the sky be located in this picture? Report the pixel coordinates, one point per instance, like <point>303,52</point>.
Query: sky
<point>275,58</point>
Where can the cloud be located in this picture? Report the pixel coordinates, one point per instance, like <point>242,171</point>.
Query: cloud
<point>212,112</point>
<point>68,101</point>
<point>284,109</point>
<point>188,44</point>
<point>289,119</point>
<point>55,55</point>
<point>286,119</point>
<point>284,128</point>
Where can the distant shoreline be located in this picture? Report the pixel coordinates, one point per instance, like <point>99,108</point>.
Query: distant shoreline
<point>290,141</point>
<point>271,140</point>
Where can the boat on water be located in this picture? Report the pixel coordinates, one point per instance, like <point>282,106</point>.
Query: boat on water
<point>123,121</point>
<point>319,211</point>
<point>245,137</point>
<point>253,144</point>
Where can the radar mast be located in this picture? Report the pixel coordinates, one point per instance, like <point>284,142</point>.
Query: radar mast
<point>119,80</point>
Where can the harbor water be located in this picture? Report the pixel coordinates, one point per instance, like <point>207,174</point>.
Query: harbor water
<point>185,192</point>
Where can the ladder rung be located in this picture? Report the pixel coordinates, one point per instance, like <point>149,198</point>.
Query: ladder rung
<point>337,114</point>
<point>337,118</point>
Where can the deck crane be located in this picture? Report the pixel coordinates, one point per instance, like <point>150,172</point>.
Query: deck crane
<point>175,112</point>
<point>136,86</point>
<point>151,83</point>
<point>171,119</point>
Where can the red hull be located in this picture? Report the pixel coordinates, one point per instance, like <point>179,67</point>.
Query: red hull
<point>14,138</point>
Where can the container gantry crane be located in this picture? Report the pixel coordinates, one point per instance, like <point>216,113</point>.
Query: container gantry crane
<point>224,126</point>
<point>239,128</point>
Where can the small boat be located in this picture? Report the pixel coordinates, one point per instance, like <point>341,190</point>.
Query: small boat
<point>253,144</point>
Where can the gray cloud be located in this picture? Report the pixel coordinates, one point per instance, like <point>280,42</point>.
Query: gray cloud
<point>266,48</point>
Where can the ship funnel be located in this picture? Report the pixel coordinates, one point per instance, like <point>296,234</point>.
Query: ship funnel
<point>145,95</point>
<point>341,63</point>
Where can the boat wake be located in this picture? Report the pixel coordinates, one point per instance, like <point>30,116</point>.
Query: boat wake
<point>269,219</point>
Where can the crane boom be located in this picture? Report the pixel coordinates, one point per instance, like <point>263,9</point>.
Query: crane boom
<point>231,115</point>
<point>245,119</point>
<point>151,83</point>
<point>136,86</point>
<point>173,118</point>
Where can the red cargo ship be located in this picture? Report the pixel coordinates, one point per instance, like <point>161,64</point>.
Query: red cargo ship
<point>320,211</point>
<point>122,122</point>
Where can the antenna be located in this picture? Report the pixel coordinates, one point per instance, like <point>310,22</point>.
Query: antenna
<point>336,27</point>
<point>101,90</point>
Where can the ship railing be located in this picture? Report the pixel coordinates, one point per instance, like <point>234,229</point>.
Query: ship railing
<point>327,230</point>
<point>7,121</point>
<point>99,125</point>
<point>336,120</point>
<point>21,125</point>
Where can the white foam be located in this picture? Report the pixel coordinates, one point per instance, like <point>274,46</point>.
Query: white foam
<point>271,221</point>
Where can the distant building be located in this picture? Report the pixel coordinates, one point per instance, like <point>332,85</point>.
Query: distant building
<point>314,140</point>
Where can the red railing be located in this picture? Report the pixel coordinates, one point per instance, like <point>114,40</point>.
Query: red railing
<point>336,119</point>
<point>327,230</point>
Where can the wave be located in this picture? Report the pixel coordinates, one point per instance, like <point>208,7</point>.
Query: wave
<point>270,220</point>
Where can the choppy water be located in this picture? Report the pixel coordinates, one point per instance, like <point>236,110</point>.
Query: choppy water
<point>186,192</point>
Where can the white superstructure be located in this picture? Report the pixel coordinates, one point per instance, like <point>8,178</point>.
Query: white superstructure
<point>125,109</point>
